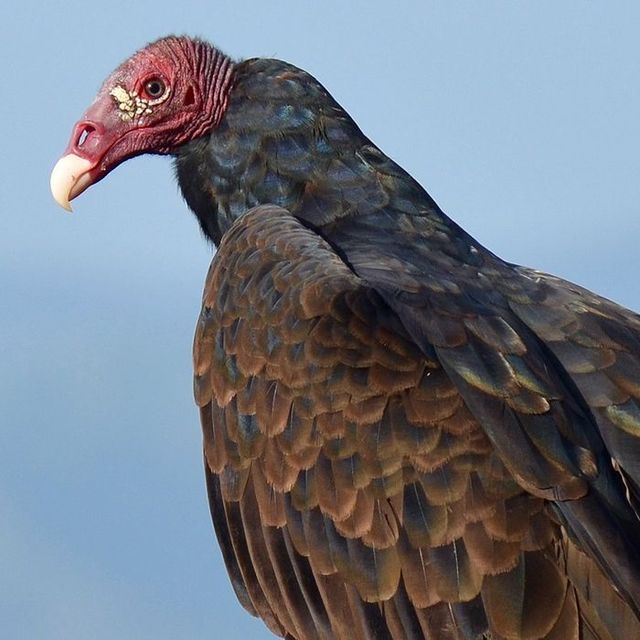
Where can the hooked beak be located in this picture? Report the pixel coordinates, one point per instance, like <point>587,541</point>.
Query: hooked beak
<point>93,150</point>
<point>82,163</point>
<point>69,178</point>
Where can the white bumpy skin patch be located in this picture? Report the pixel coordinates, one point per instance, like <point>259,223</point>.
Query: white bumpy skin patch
<point>131,105</point>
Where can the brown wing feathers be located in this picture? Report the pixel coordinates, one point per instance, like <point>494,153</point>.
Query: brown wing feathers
<point>357,495</point>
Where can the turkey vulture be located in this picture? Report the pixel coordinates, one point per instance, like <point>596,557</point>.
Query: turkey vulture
<point>404,435</point>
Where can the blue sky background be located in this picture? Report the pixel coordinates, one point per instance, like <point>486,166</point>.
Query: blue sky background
<point>522,120</point>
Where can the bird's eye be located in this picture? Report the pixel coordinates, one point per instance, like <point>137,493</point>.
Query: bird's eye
<point>154,88</point>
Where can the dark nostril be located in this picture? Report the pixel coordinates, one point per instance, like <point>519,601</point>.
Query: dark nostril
<point>85,131</point>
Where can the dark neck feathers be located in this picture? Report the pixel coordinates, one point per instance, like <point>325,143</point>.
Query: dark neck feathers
<point>284,140</point>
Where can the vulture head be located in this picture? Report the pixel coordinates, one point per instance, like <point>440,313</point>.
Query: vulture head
<point>172,91</point>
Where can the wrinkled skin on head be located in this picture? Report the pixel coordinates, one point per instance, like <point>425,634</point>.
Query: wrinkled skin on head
<point>165,95</point>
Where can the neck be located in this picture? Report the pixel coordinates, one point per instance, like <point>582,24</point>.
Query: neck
<point>284,140</point>
<point>214,72</point>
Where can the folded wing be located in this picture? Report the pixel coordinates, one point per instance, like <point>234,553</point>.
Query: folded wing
<point>378,471</point>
